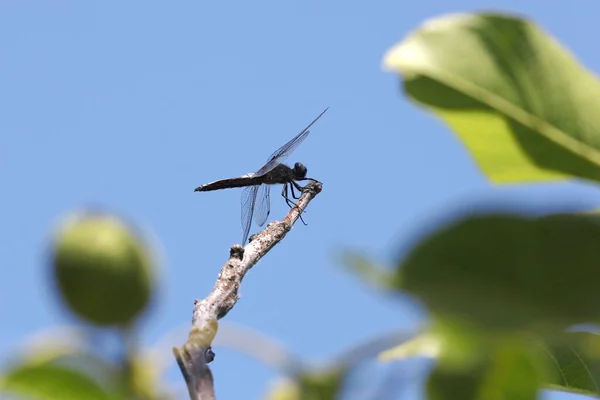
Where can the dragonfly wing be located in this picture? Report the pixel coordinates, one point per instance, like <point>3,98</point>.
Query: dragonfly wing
<point>248,203</point>
<point>284,151</point>
<point>268,167</point>
<point>263,205</point>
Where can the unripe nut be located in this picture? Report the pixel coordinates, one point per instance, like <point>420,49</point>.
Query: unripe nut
<point>102,269</point>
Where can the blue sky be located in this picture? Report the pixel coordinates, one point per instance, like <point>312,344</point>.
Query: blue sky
<point>131,105</point>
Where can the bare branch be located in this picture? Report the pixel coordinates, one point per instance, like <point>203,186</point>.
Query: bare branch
<point>196,353</point>
<point>196,373</point>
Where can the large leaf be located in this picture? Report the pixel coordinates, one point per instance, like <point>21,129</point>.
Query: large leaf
<point>507,272</point>
<point>507,372</point>
<point>48,381</point>
<point>573,358</point>
<point>309,385</point>
<point>523,106</point>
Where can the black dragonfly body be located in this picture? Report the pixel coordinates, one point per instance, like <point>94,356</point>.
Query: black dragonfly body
<point>256,202</point>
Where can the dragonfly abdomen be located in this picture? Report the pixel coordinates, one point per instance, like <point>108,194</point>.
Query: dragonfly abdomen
<point>228,183</point>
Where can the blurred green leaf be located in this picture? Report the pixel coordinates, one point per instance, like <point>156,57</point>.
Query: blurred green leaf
<point>364,268</point>
<point>51,382</point>
<point>309,385</point>
<point>427,344</point>
<point>51,344</point>
<point>575,359</point>
<point>66,347</point>
<point>321,385</point>
<point>521,103</point>
<point>507,272</point>
<point>283,389</point>
<point>572,358</point>
<point>508,372</point>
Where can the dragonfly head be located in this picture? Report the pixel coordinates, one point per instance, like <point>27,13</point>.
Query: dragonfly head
<point>299,171</point>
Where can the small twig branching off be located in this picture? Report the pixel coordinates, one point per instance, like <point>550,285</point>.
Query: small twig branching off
<point>193,357</point>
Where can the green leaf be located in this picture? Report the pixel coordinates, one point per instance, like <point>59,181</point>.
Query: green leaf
<point>309,385</point>
<point>64,348</point>
<point>522,105</point>
<point>364,268</point>
<point>284,389</point>
<point>508,372</point>
<point>575,359</point>
<point>507,272</point>
<point>426,344</point>
<point>572,358</point>
<point>322,385</point>
<point>51,382</point>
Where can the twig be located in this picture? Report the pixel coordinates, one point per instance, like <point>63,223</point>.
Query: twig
<point>196,353</point>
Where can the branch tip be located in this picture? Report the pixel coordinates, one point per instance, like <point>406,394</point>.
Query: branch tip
<point>315,186</point>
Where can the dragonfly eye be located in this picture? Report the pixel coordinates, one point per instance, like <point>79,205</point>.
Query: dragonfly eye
<point>299,170</point>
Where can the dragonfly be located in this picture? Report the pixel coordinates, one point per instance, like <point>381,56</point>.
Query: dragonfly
<point>256,195</point>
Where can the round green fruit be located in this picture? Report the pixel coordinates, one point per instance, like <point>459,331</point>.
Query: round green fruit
<point>102,270</point>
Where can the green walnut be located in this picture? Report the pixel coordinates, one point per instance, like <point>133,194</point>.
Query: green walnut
<point>102,269</point>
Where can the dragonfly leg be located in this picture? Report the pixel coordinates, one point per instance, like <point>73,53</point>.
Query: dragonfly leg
<point>284,193</point>
<point>305,224</point>
<point>294,193</point>
<point>300,189</point>
<point>307,179</point>
<point>290,203</point>
<point>297,186</point>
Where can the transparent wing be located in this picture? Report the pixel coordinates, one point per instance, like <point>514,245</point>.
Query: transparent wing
<point>263,205</point>
<point>281,154</point>
<point>248,202</point>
